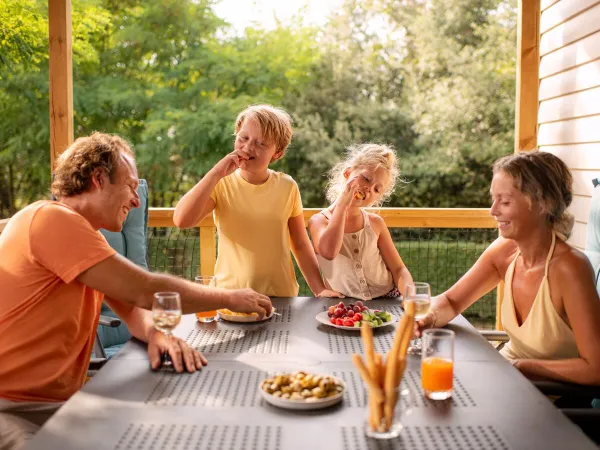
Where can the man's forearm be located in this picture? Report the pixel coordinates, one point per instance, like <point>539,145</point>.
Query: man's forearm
<point>194,297</point>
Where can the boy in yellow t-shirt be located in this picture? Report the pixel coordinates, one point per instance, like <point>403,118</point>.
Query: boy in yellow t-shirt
<point>258,212</point>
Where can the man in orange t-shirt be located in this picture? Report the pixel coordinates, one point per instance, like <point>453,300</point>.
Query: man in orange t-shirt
<point>55,271</point>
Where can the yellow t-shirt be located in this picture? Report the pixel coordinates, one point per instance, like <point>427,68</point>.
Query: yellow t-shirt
<point>253,233</point>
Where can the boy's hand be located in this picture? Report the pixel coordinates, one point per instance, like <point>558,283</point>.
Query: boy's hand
<point>330,293</point>
<point>347,196</point>
<point>230,162</point>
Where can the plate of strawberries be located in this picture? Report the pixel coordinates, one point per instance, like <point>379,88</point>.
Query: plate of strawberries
<point>352,316</point>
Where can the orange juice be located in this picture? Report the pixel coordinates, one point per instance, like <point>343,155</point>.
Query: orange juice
<point>436,377</point>
<point>203,315</point>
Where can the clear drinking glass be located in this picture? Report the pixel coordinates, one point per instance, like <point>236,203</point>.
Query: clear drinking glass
<point>420,294</point>
<point>206,316</point>
<point>166,313</point>
<point>437,363</point>
<point>402,409</point>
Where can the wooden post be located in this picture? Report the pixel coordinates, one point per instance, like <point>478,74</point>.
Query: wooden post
<point>528,64</point>
<point>61,77</point>
<point>208,250</point>
<point>527,99</point>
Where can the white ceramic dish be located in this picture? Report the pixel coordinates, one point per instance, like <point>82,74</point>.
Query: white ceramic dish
<point>303,405</point>
<point>324,319</point>
<point>244,319</point>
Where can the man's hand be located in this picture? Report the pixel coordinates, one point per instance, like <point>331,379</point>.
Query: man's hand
<point>182,355</point>
<point>250,301</point>
<point>331,294</point>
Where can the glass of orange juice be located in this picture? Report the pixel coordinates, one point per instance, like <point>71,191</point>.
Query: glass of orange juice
<point>206,316</point>
<point>437,363</point>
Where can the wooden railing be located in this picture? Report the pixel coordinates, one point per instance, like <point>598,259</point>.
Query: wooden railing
<point>449,218</point>
<point>393,217</point>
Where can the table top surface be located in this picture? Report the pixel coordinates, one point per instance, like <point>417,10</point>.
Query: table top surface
<point>128,406</point>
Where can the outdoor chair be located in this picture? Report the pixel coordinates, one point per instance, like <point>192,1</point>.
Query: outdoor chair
<point>130,242</point>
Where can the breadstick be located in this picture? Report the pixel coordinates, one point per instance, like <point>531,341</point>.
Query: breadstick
<point>366,333</point>
<point>374,389</point>
<point>409,313</point>
<point>376,408</point>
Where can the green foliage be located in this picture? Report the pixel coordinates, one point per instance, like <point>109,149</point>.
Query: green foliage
<point>433,78</point>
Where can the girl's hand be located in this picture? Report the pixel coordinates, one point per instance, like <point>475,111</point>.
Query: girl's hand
<point>331,294</point>
<point>230,162</point>
<point>347,196</point>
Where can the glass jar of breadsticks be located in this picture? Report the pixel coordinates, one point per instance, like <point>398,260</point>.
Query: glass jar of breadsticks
<point>388,401</point>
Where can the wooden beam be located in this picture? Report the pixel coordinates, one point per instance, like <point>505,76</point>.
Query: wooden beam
<point>393,217</point>
<point>61,77</point>
<point>528,64</point>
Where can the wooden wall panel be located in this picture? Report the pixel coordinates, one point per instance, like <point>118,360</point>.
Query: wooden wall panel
<point>577,238</point>
<point>580,104</point>
<point>578,156</point>
<point>545,4</point>
<point>562,11</point>
<point>580,208</point>
<point>586,129</point>
<point>575,54</point>
<point>582,181</point>
<point>572,30</point>
<point>574,80</point>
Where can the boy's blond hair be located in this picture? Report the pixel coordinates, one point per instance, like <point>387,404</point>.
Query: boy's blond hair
<point>275,124</point>
<point>370,155</point>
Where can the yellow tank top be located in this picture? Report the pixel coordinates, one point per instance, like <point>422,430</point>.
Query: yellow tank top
<point>544,334</point>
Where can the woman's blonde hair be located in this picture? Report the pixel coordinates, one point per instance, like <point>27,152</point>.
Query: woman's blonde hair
<point>74,167</point>
<point>275,124</point>
<point>370,155</point>
<point>545,179</point>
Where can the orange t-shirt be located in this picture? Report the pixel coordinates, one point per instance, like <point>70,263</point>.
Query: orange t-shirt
<point>47,318</point>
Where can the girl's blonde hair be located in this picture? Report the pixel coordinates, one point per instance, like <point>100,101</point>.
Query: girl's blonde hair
<point>370,155</point>
<point>545,179</point>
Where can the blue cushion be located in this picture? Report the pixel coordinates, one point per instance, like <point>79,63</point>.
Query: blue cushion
<point>131,243</point>
<point>131,240</point>
<point>592,239</point>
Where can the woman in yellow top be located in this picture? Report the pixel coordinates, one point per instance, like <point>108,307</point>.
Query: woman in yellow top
<point>550,308</point>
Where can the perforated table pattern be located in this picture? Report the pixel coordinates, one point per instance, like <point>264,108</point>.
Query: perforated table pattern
<point>127,406</point>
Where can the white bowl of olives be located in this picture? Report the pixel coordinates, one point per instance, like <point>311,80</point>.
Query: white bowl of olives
<point>302,390</point>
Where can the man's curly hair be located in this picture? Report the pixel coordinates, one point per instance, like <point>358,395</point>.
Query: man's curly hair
<point>74,168</point>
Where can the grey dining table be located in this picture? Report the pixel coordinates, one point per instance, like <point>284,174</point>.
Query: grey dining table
<point>128,406</point>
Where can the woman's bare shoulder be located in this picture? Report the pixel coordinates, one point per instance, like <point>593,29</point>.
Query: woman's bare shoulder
<point>569,262</point>
<point>501,252</point>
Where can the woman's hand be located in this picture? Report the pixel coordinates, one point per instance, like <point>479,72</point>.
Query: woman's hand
<point>426,322</point>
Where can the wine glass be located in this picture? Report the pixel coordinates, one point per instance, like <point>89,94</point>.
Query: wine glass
<point>166,314</point>
<point>420,294</point>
